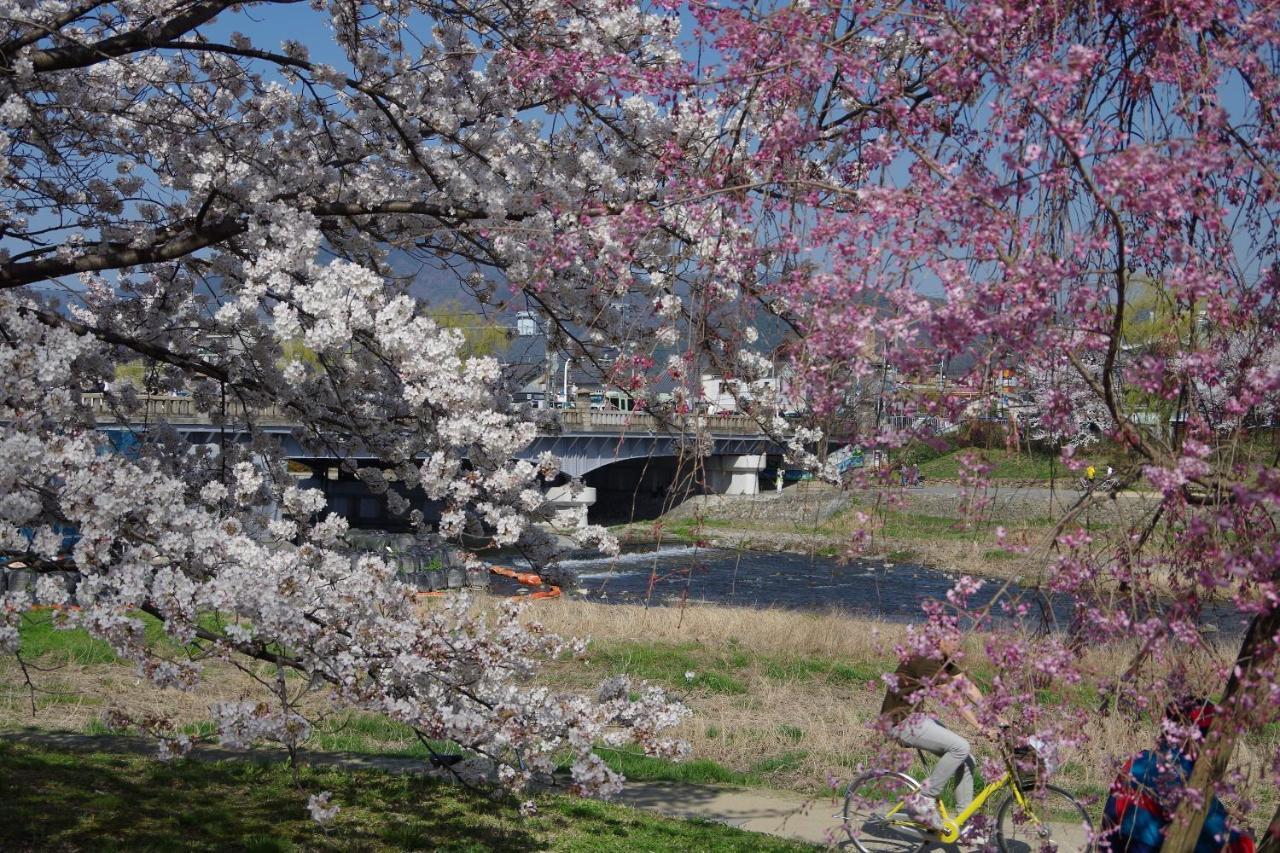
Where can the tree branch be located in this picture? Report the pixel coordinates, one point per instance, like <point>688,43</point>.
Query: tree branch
<point>84,55</point>
<point>117,255</point>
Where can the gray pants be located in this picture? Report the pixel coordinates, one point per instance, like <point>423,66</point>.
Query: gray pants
<point>952,751</point>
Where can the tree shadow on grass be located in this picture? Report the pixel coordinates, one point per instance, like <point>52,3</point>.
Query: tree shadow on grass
<point>64,801</point>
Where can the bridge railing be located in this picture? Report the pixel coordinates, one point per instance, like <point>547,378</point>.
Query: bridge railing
<point>178,409</point>
<point>595,420</point>
<point>182,410</point>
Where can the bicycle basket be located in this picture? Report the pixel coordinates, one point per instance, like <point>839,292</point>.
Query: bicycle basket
<point>1033,763</point>
<point>1029,768</point>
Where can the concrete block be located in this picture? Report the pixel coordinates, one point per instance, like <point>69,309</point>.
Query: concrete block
<point>20,579</point>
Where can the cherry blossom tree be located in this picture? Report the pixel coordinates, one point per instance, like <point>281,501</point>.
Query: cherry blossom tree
<point>1064,408</point>
<point>228,210</point>
<point>1037,165</point>
<point>887,186</point>
<point>1034,163</point>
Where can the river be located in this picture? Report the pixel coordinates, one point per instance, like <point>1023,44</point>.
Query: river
<point>674,574</point>
<point>871,587</point>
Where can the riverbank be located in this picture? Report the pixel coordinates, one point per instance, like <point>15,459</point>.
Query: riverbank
<point>789,699</point>
<point>780,699</point>
<point>926,526</point>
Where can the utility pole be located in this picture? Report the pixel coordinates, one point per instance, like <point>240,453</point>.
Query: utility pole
<point>548,376</point>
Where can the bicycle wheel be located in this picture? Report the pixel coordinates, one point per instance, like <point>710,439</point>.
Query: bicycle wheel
<point>873,816</point>
<point>1051,822</point>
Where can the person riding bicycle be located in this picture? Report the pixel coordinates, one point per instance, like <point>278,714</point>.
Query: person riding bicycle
<point>1145,794</point>
<point>901,710</point>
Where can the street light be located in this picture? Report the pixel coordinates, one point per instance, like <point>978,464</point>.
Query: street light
<point>566,381</point>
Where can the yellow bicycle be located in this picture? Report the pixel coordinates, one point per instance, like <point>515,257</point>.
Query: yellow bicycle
<point>1034,816</point>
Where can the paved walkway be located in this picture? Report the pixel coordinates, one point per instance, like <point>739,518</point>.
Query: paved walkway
<point>753,809</point>
<point>790,816</point>
<point>756,810</point>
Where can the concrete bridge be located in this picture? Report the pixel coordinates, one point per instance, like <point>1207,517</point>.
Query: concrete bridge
<point>628,457</point>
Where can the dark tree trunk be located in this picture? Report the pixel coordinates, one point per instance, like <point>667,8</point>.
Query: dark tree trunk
<point>1256,650</point>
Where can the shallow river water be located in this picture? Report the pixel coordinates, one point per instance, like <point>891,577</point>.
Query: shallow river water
<point>759,579</point>
<point>672,574</point>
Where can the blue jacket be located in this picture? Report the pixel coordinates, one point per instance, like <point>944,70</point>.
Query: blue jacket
<point>1144,798</point>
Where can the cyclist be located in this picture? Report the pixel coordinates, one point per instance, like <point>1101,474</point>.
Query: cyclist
<point>901,710</point>
<point>1145,794</point>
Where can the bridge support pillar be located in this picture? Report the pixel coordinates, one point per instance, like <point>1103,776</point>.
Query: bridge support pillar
<point>571,504</point>
<point>735,475</point>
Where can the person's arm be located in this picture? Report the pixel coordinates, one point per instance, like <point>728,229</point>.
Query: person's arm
<point>974,695</point>
<point>970,690</point>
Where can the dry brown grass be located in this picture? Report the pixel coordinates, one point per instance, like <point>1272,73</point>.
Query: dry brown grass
<point>76,697</point>
<point>793,725</point>
<point>765,631</point>
<point>801,732</point>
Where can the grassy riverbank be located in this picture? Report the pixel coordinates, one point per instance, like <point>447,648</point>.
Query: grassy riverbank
<point>780,699</point>
<point>1037,468</point>
<point>790,699</point>
<point>74,801</point>
<point>941,526</point>
<point>812,518</point>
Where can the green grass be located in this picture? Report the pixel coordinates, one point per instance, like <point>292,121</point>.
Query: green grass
<point>348,731</point>
<point>66,801</point>
<point>1267,733</point>
<point>787,761</point>
<point>1075,695</point>
<point>912,525</point>
<point>821,669</point>
<point>721,671</point>
<point>358,732</point>
<point>43,639</point>
<point>96,726</point>
<point>668,664</point>
<point>795,734</point>
<point>372,734</point>
<point>1005,466</point>
<point>699,771</point>
<point>696,530</point>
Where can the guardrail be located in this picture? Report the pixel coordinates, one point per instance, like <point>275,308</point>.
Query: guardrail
<point>595,420</point>
<point>181,410</point>
<point>177,409</point>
